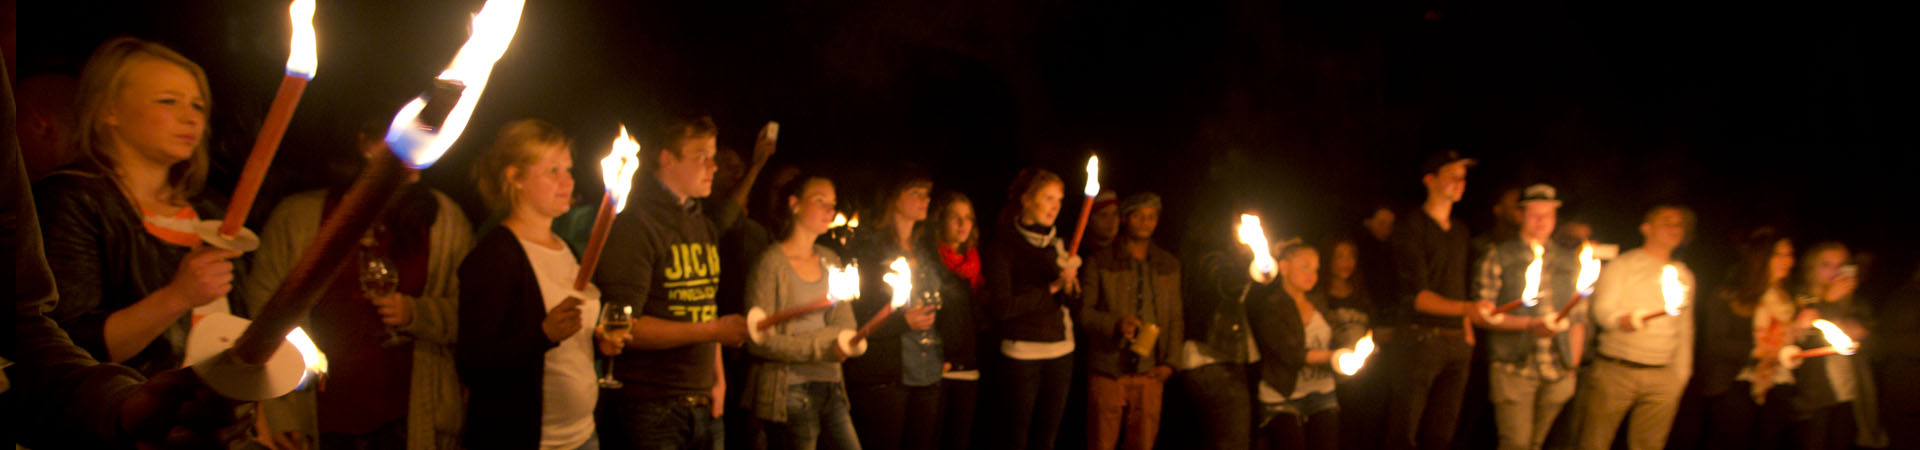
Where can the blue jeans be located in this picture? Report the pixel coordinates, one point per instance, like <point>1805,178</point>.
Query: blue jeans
<point>816,417</point>
<point>657,424</point>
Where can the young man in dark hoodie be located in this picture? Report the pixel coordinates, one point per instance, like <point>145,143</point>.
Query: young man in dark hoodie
<point>662,258</point>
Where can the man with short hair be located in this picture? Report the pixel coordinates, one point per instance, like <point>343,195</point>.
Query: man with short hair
<point>662,259</point>
<point>1132,303</point>
<point>1641,365</point>
<point>1432,348</point>
<point>1530,350</point>
<point>1103,224</point>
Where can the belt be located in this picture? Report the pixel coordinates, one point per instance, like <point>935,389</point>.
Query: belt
<point>1453,332</point>
<point>1629,364</point>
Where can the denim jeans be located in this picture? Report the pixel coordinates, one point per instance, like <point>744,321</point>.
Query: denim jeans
<point>657,424</point>
<point>816,418</point>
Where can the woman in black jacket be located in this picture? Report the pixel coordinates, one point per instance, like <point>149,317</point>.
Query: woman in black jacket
<point>895,387</point>
<point>1296,389</point>
<point>951,232</point>
<point>521,352</point>
<point>1030,280</point>
<point>1745,386</point>
<point>119,223</point>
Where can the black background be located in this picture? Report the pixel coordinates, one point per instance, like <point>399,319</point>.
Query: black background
<point>1310,112</point>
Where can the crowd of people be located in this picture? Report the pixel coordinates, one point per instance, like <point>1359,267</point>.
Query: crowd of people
<point>441,334</point>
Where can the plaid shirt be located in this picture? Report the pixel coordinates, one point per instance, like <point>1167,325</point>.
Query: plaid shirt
<point>1544,362</point>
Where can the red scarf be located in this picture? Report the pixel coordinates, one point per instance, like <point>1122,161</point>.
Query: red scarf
<point>966,265</point>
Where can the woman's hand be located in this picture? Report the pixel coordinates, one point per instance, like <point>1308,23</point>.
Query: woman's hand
<point>563,321</point>
<point>920,318</point>
<point>204,275</point>
<point>395,309</point>
<point>611,344</point>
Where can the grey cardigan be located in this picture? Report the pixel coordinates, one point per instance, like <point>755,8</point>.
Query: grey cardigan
<point>771,287</point>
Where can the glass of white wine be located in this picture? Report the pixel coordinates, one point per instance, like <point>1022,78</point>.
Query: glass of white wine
<point>614,321</point>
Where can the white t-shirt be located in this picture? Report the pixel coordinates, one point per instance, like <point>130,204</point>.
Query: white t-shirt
<point>568,386</point>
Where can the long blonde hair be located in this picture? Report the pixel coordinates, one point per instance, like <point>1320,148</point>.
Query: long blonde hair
<point>518,147</point>
<point>100,84</point>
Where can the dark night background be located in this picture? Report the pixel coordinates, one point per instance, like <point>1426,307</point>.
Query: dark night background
<point>1310,111</point>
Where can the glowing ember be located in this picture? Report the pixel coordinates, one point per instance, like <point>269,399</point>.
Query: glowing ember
<point>1531,295</point>
<point>1256,239</point>
<point>1841,343</point>
<point>900,277</point>
<point>843,283</point>
<point>1672,289</point>
<point>302,59</point>
<point>1589,269</point>
<point>1350,363</point>
<point>493,29</point>
<point>618,168</point>
<point>1093,176</point>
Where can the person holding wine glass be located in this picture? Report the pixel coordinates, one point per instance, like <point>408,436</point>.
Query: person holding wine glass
<point>386,322</point>
<point>795,386</point>
<point>895,387</point>
<point>522,351</point>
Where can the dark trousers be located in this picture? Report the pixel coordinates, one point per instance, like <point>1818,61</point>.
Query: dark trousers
<point>1734,420</point>
<point>1433,365</point>
<point>392,435</point>
<point>660,424</point>
<point>1220,392</point>
<point>895,416</point>
<point>957,401</point>
<point>1363,401</point>
<point>1320,431</point>
<point>1826,428</point>
<point>1035,395</point>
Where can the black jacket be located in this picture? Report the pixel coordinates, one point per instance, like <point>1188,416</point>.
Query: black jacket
<point>1017,275</point>
<point>104,260</point>
<point>502,351</point>
<point>1281,336</point>
<point>874,252</point>
<point>959,339</point>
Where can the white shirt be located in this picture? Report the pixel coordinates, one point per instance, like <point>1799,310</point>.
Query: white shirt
<point>1035,351</point>
<point>568,387</point>
<point>1632,283</point>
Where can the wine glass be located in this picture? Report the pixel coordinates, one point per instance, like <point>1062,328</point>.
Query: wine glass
<point>378,279</point>
<point>614,321</point>
<point>930,297</point>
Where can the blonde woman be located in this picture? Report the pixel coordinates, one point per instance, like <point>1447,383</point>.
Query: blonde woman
<point>522,351</point>
<point>118,223</point>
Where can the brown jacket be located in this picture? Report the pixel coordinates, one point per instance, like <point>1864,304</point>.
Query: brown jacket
<point>1108,283</point>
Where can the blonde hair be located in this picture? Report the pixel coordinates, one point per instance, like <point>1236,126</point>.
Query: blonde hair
<point>100,83</point>
<point>517,146</point>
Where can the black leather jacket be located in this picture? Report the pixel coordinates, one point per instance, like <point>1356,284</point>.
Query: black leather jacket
<point>104,260</point>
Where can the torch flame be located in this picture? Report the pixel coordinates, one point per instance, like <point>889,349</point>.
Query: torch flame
<point>1093,176</point>
<point>900,277</point>
<point>1672,289</point>
<point>493,29</point>
<point>843,283</point>
<point>1835,337</point>
<point>839,220</point>
<point>1256,240</point>
<point>301,57</point>
<point>618,168</point>
<point>309,353</point>
<point>1589,269</point>
<point>1349,363</point>
<point>854,222</point>
<point>1531,295</point>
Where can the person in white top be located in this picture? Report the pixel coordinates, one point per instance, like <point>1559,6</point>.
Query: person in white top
<point>508,348</point>
<point>1641,365</point>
